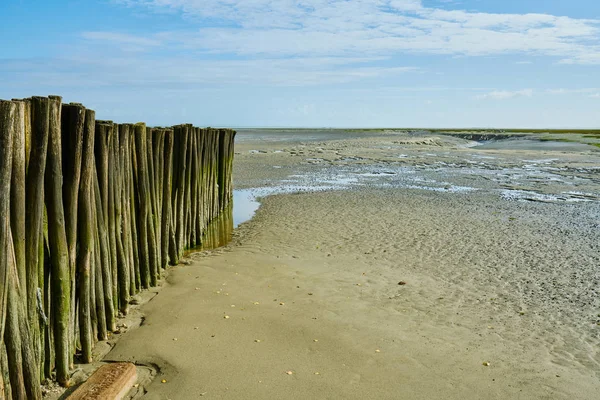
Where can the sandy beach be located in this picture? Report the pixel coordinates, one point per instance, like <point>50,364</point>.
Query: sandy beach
<point>389,265</point>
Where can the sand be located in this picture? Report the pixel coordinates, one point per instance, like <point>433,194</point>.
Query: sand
<point>425,269</point>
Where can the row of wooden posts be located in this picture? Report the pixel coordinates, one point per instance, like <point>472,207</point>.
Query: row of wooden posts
<point>91,212</point>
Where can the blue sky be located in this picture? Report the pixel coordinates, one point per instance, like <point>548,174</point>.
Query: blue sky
<point>306,63</point>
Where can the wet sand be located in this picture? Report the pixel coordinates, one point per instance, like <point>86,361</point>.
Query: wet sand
<point>389,266</point>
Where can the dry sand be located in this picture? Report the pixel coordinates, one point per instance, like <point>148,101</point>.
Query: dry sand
<point>500,299</point>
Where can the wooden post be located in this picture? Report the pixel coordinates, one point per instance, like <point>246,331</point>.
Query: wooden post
<point>158,155</point>
<point>125,138</point>
<point>193,188</point>
<point>183,137</point>
<point>106,273</point>
<point>122,258</point>
<point>144,204</point>
<point>8,316</point>
<point>105,133</point>
<point>98,282</point>
<point>34,213</point>
<point>166,198</point>
<point>14,300</point>
<point>152,208</point>
<point>17,191</point>
<point>57,239</point>
<point>176,176</point>
<point>133,204</point>
<point>72,122</point>
<point>151,181</point>
<point>188,189</point>
<point>204,175</point>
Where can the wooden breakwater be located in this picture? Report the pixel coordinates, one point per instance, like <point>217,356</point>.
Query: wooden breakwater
<point>91,212</point>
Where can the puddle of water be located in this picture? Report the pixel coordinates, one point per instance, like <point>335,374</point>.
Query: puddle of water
<point>244,206</point>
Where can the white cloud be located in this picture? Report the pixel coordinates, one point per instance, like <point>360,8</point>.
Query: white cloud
<point>184,72</point>
<point>505,94</point>
<point>562,91</point>
<point>374,27</point>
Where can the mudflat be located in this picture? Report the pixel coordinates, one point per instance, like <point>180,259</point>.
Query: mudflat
<point>389,265</point>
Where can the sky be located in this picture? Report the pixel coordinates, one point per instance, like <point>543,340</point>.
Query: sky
<point>310,63</point>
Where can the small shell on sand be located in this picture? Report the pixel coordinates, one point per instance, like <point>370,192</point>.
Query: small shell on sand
<point>289,372</point>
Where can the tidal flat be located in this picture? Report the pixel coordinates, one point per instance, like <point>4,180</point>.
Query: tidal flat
<point>390,265</point>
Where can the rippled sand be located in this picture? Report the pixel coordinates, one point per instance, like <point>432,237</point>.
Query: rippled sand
<point>394,266</point>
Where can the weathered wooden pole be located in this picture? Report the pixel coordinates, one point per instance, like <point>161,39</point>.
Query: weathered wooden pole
<point>153,210</point>
<point>221,166</point>
<point>211,169</point>
<point>105,134</point>
<point>8,304</point>
<point>144,205</point>
<point>231,156</point>
<point>188,188</point>
<point>151,181</point>
<point>17,191</point>
<point>198,173</point>
<point>210,159</point>
<point>59,252</point>
<point>134,207</point>
<point>72,122</point>
<point>176,176</point>
<point>157,154</point>
<point>105,269</point>
<point>130,248</point>
<point>181,171</point>
<point>85,233</point>
<point>122,257</point>
<point>204,183</point>
<point>98,282</point>
<point>7,126</point>
<point>152,243</point>
<point>97,224</point>
<point>193,189</point>
<point>34,213</point>
<point>167,178</point>
<point>92,296</point>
